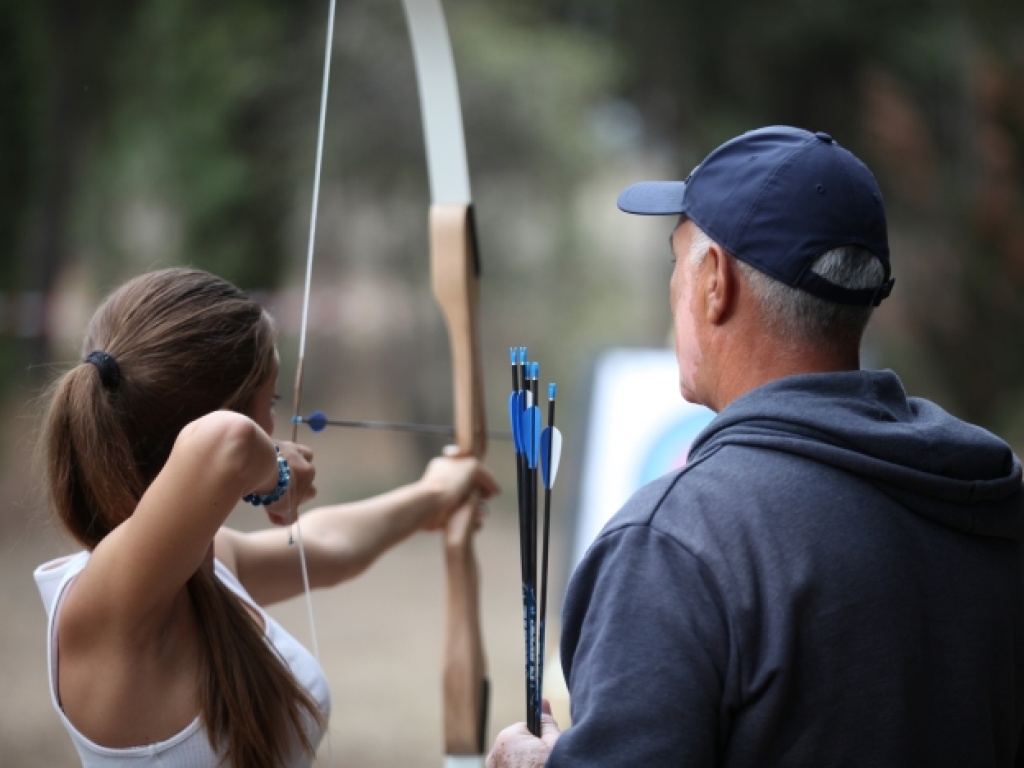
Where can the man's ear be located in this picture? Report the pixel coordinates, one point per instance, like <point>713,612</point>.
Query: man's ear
<point>718,284</point>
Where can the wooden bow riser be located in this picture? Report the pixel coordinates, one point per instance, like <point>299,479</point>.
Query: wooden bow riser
<point>456,283</point>
<point>456,286</point>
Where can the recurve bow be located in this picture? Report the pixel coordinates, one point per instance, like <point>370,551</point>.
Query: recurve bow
<point>455,274</point>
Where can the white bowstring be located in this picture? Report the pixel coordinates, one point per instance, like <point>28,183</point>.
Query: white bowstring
<point>316,185</point>
<point>302,333</point>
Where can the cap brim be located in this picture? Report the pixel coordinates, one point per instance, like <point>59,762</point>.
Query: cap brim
<point>653,198</point>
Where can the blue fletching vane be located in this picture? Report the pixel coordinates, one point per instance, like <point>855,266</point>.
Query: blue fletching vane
<point>531,429</point>
<point>550,457</point>
<point>524,403</point>
<point>317,421</point>
<point>515,410</point>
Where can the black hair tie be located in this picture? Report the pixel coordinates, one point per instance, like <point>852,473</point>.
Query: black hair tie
<point>110,371</point>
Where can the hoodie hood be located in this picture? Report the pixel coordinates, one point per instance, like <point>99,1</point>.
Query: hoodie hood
<point>952,472</point>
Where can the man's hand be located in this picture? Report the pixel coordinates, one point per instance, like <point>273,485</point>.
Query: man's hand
<point>516,747</point>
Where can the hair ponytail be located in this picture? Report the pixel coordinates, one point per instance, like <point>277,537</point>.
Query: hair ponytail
<point>93,480</point>
<point>240,690</point>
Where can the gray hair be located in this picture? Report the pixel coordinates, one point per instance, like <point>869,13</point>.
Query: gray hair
<point>798,317</point>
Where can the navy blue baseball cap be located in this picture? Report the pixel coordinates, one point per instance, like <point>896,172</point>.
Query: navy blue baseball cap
<point>778,198</point>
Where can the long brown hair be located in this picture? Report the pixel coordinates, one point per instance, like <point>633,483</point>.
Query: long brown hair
<point>186,343</point>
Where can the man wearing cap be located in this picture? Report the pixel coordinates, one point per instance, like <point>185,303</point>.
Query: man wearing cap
<point>836,576</point>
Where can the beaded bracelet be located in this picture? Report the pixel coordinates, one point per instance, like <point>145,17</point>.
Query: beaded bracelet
<point>284,477</point>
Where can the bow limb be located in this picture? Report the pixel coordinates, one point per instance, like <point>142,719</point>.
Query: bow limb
<point>455,278</point>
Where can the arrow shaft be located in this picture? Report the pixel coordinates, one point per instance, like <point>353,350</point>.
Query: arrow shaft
<point>545,537</point>
<point>399,426</point>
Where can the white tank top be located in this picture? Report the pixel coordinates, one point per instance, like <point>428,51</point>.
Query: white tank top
<point>190,748</point>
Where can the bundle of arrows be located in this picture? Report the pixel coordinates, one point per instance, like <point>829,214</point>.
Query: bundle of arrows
<point>534,446</point>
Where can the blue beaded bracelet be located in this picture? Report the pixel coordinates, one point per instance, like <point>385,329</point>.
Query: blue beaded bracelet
<point>284,477</point>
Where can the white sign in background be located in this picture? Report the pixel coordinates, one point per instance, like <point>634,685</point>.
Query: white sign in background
<point>639,428</point>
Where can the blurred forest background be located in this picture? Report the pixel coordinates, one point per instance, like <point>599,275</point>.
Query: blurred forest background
<point>148,133</point>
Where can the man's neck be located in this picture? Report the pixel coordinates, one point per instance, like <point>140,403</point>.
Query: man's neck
<point>740,366</point>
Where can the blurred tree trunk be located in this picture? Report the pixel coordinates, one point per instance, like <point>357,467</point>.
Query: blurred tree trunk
<point>67,79</point>
<point>67,119</point>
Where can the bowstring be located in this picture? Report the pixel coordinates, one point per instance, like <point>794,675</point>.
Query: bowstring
<point>304,324</point>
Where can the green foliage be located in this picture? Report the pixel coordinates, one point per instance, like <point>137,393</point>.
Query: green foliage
<point>926,91</point>
<point>152,132</point>
<point>179,171</point>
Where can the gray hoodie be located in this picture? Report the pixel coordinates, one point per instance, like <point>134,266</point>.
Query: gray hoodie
<point>836,578</point>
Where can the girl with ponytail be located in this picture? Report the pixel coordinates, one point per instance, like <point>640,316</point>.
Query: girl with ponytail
<point>159,651</point>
